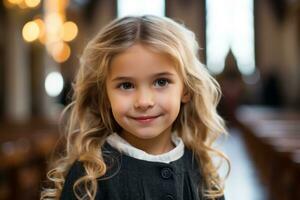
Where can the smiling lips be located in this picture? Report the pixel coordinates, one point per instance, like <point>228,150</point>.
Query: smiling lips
<point>145,119</point>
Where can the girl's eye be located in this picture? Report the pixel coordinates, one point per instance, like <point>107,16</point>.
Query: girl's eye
<point>161,82</point>
<point>126,86</point>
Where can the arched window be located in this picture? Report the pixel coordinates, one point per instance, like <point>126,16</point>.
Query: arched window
<point>141,7</point>
<point>230,27</point>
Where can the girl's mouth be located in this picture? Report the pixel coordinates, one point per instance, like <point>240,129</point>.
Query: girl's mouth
<point>145,119</point>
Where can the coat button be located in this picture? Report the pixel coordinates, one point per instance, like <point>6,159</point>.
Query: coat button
<point>169,197</point>
<point>166,173</point>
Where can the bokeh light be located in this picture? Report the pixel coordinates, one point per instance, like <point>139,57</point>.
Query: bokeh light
<point>60,51</point>
<point>32,3</point>
<point>15,2</point>
<point>54,84</point>
<point>31,31</point>
<point>69,31</point>
<point>53,23</point>
<point>41,25</point>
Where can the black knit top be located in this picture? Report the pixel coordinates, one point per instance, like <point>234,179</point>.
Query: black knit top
<point>128,178</point>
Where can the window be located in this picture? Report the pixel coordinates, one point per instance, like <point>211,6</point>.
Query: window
<point>141,7</point>
<point>230,27</point>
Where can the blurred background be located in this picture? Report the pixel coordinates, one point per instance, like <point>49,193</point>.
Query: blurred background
<point>251,47</point>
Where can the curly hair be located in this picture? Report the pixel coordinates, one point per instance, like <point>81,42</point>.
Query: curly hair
<point>90,120</point>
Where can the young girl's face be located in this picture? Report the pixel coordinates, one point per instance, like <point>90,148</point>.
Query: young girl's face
<point>145,93</point>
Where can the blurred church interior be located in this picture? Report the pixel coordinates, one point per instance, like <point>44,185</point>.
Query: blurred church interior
<point>252,47</point>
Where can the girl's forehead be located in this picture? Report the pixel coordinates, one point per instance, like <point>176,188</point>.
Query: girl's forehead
<point>139,59</point>
<point>139,50</point>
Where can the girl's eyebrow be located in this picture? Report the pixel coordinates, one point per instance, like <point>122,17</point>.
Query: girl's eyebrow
<point>163,74</point>
<point>120,78</point>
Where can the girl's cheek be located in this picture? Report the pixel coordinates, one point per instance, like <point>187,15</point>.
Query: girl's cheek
<point>121,104</point>
<point>168,94</point>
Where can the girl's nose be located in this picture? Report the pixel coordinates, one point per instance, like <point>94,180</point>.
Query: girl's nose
<point>144,99</point>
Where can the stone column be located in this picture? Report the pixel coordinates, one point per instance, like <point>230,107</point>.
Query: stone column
<point>17,76</point>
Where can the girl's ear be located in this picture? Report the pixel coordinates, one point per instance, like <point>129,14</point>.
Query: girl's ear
<point>186,96</point>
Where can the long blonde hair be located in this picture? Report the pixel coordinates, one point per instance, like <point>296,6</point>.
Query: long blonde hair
<point>90,119</point>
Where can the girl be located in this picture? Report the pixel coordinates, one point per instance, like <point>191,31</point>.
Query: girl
<point>143,118</point>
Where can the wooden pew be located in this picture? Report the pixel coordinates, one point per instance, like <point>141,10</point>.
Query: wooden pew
<point>273,140</point>
<point>24,149</point>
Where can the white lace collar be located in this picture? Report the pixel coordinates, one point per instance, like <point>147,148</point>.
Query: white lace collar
<point>123,146</point>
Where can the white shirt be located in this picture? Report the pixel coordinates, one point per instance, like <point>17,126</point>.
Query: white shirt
<point>124,147</point>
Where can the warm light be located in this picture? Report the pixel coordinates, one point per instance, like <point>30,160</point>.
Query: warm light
<point>7,4</point>
<point>16,2</point>
<point>69,31</point>
<point>42,33</point>
<point>30,31</point>
<point>60,52</point>
<point>54,84</point>
<point>22,5</point>
<point>32,3</point>
<point>62,4</point>
<point>53,23</point>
